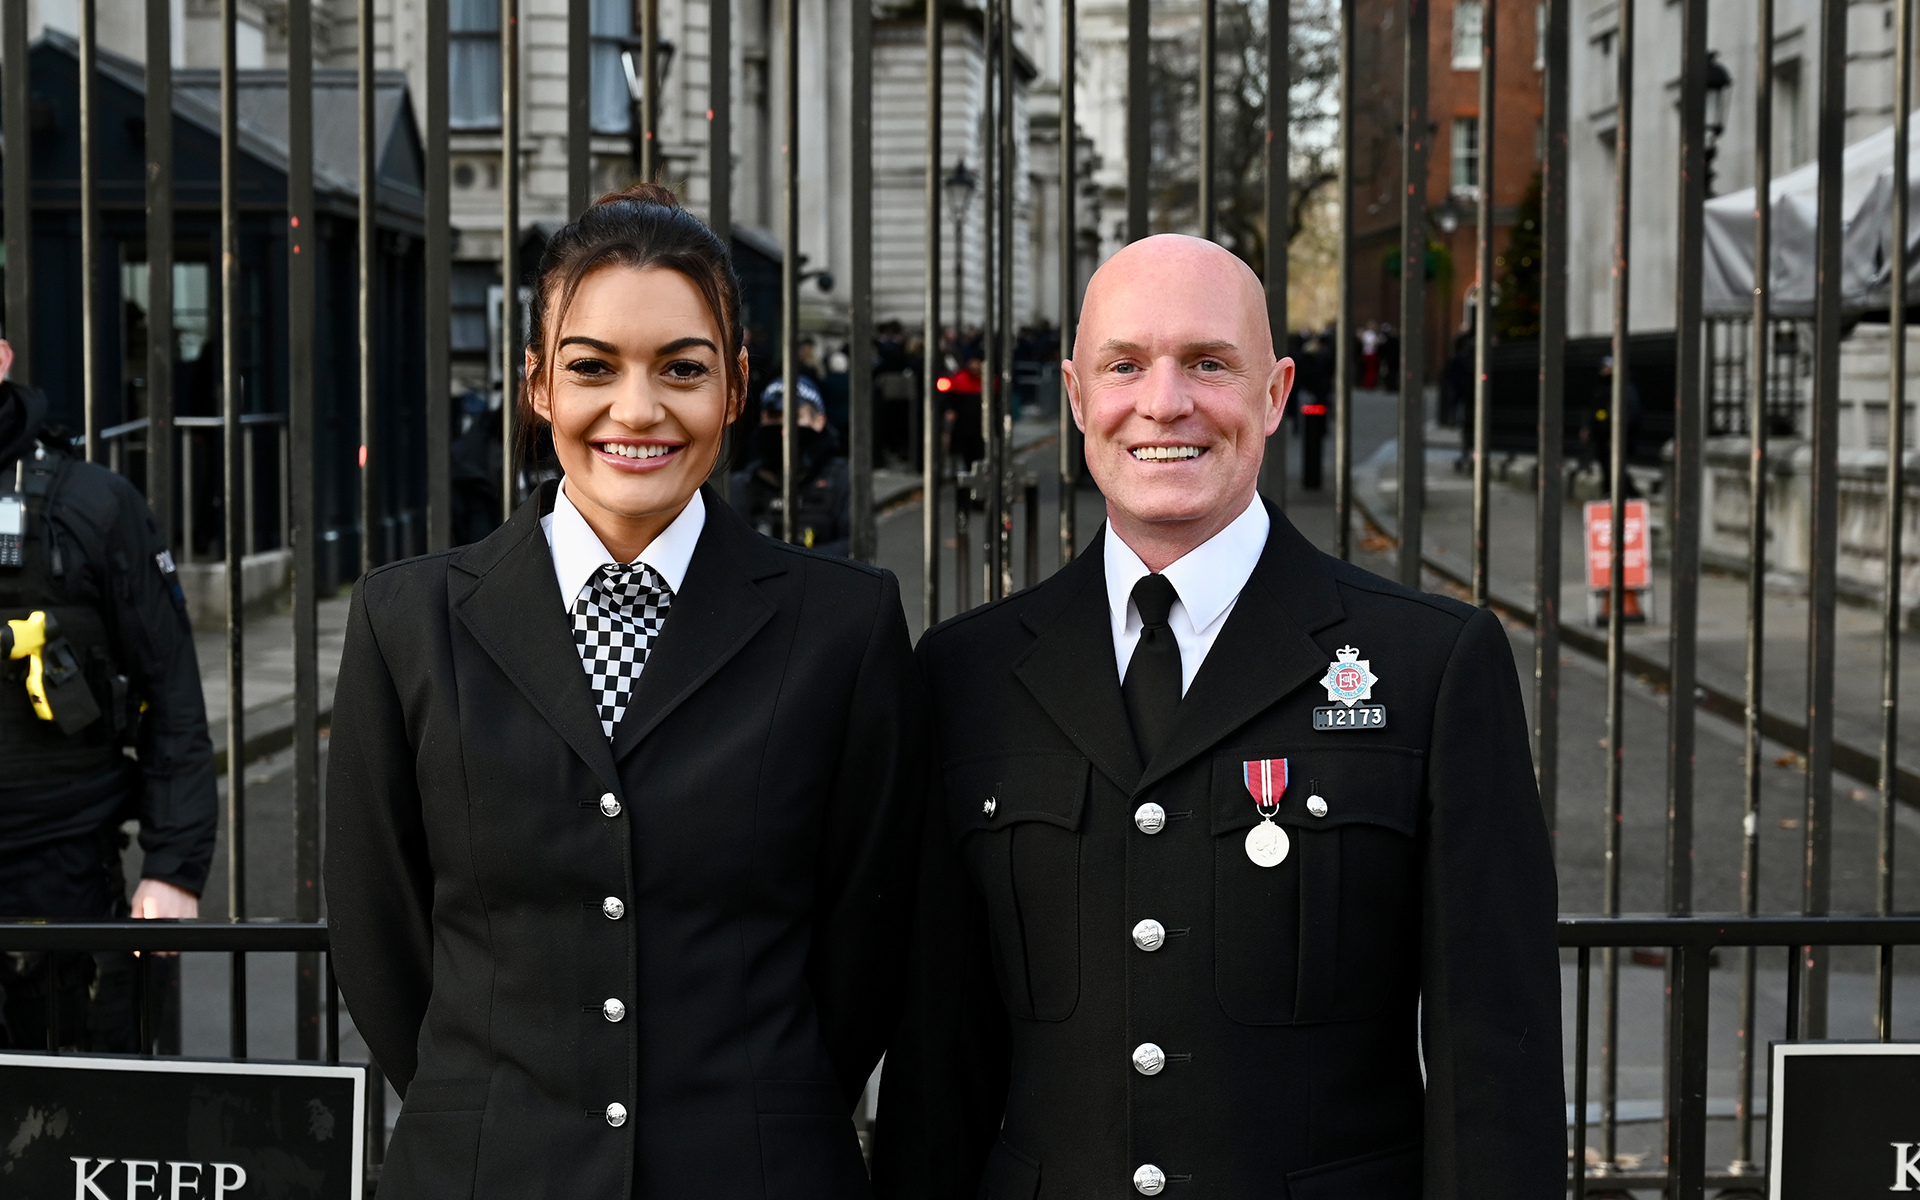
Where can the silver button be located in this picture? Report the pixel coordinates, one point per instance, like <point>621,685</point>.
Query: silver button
<point>1149,934</point>
<point>1149,1180</point>
<point>1316,806</point>
<point>613,1010</point>
<point>1149,1059</point>
<point>613,908</point>
<point>609,806</point>
<point>617,1116</point>
<point>1150,818</point>
<point>988,809</point>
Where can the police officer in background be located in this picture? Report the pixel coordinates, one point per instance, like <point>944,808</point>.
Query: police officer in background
<point>121,733</point>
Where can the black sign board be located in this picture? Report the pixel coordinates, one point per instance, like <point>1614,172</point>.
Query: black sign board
<point>1845,1119</point>
<point>113,1128</point>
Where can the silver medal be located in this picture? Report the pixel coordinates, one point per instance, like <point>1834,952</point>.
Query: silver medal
<point>1267,844</point>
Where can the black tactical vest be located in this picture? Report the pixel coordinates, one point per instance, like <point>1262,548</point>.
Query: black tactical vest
<point>34,751</point>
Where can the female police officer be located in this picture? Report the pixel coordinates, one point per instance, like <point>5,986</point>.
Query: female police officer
<point>622,807</point>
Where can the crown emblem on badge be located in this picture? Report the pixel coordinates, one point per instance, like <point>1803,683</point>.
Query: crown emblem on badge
<point>1349,677</point>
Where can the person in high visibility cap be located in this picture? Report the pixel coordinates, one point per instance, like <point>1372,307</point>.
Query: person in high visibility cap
<point>102,719</point>
<point>1236,882</point>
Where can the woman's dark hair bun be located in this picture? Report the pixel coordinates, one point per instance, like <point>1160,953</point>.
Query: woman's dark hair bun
<point>640,192</point>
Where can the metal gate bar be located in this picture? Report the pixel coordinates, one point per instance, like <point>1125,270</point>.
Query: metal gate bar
<point>159,155</point>
<point>1683,507</point>
<point>89,233</point>
<point>1552,415</point>
<point>1414,146</point>
<point>1816,885</point>
<point>932,470</point>
<point>18,189</point>
<point>1069,276</point>
<point>1483,305</point>
<point>301,248</point>
<point>1616,590</point>
<point>1743,1158</point>
<point>232,492</point>
<point>437,321</point>
<point>1896,484</point>
<point>510,349</point>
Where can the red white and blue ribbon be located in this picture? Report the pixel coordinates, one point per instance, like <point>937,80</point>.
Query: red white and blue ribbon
<point>1266,780</point>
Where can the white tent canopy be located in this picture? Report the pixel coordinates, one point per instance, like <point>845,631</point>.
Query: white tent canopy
<point>1866,241</point>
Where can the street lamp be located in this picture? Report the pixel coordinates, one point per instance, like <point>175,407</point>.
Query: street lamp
<point>1719,83</point>
<point>630,64</point>
<point>959,186</point>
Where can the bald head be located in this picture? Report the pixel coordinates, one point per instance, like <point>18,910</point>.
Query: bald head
<point>1174,382</point>
<point>1186,281</point>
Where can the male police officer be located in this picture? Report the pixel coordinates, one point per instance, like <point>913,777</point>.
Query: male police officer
<point>96,625</point>
<point>1238,885</point>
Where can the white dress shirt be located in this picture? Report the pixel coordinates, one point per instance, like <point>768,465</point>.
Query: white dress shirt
<point>1208,579</point>
<point>578,553</point>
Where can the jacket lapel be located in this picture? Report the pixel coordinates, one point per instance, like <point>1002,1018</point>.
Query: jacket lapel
<point>1070,670</point>
<point>1263,652</point>
<point>513,609</point>
<point>714,616</point>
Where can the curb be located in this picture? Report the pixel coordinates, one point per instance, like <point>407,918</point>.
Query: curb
<point>1848,760</point>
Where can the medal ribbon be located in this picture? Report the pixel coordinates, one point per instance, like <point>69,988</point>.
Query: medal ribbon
<point>1266,780</point>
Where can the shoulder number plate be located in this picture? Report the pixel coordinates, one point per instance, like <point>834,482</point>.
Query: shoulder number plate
<point>1360,716</point>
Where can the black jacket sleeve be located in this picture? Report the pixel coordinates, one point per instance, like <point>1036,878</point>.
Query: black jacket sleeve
<point>944,1089</point>
<point>1490,966</point>
<point>178,807</point>
<point>864,888</point>
<point>378,878</point>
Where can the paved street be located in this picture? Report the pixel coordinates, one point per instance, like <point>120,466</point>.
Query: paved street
<point>1582,762</point>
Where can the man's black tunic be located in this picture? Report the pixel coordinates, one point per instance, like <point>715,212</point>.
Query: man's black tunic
<point>1377,1016</point>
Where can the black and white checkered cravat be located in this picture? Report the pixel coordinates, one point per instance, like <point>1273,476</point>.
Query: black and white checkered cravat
<point>616,618</point>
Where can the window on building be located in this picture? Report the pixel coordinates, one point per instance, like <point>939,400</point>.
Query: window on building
<point>612,26</point>
<point>1789,117</point>
<point>468,305</point>
<point>473,64</point>
<point>1466,156</point>
<point>1466,35</point>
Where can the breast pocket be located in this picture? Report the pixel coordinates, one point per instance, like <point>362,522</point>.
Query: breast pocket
<point>1017,819</point>
<point>1329,933</point>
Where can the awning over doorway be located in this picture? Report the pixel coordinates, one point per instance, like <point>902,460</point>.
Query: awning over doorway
<point>1867,191</point>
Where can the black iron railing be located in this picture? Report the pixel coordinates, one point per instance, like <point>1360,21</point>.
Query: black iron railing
<point>1690,943</point>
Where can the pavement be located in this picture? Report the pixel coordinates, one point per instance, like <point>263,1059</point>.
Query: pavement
<point>1582,759</point>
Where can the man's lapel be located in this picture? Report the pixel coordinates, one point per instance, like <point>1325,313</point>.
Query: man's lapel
<point>1263,652</point>
<point>1070,669</point>
<point>716,612</point>
<point>513,608</point>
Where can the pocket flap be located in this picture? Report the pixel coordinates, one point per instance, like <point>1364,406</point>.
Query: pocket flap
<point>992,793</point>
<point>1371,785</point>
<point>1383,1175</point>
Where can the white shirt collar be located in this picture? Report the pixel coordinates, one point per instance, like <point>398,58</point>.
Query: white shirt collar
<point>578,552</point>
<point>1207,578</point>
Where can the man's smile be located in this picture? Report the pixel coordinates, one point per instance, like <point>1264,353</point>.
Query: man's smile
<point>1166,453</point>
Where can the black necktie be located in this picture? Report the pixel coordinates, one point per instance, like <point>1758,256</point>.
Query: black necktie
<point>1152,686</point>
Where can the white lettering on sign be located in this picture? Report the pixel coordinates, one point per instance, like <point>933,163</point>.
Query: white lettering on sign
<point>134,1183</point>
<point>1906,1166</point>
<point>227,1177</point>
<point>178,1186</point>
<point>83,1179</point>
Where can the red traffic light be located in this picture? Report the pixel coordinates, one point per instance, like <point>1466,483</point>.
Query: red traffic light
<point>943,384</point>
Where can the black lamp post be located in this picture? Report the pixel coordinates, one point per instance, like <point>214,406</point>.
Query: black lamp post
<point>1719,83</point>
<point>959,186</point>
<point>637,88</point>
